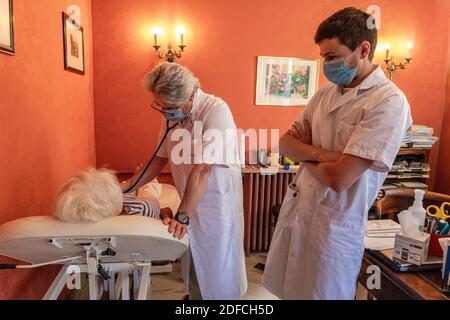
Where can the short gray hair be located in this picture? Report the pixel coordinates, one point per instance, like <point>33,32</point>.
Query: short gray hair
<point>172,83</point>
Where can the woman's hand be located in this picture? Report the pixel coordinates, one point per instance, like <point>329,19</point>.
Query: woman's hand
<point>179,230</point>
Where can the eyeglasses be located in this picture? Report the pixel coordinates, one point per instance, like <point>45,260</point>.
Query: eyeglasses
<point>161,109</point>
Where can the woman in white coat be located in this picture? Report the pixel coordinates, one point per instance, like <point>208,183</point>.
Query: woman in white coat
<point>348,138</point>
<point>203,156</point>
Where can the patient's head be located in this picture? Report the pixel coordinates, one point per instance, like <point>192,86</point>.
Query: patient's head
<point>89,196</point>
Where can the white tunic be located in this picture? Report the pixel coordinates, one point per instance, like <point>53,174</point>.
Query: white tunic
<point>216,231</point>
<point>317,247</point>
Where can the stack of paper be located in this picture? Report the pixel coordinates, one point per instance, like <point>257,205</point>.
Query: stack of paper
<point>380,234</point>
<point>419,137</point>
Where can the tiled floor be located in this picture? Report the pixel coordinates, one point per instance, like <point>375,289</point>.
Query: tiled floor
<point>171,287</point>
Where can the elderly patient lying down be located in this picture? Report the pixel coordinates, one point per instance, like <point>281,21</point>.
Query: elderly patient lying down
<point>93,195</point>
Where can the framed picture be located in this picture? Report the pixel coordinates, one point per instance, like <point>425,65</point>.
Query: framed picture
<point>6,27</point>
<point>286,81</point>
<point>73,45</point>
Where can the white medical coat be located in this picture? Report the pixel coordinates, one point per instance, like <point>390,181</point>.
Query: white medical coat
<point>216,231</point>
<point>317,247</point>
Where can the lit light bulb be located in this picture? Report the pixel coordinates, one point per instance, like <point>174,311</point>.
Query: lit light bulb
<point>388,51</point>
<point>409,47</point>
<point>157,32</point>
<point>180,32</point>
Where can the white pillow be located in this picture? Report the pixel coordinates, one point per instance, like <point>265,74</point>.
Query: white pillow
<point>153,189</point>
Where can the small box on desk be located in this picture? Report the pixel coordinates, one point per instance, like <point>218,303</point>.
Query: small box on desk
<point>413,249</point>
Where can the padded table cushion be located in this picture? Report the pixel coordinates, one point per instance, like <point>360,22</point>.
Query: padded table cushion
<point>136,238</point>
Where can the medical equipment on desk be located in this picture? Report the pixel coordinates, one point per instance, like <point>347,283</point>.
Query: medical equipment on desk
<point>122,245</point>
<point>417,209</point>
<point>262,157</point>
<point>420,239</point>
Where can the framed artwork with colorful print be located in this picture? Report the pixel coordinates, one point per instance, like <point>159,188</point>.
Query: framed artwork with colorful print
<point>286,81</point>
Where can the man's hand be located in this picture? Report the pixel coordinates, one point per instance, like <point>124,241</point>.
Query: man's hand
<point>179,230</point>
<point>165,213</point>
<point>301,132</point>
<point>341,174</point>
<point>297,145</point>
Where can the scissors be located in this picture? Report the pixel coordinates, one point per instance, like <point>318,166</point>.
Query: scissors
<point>436,212</point>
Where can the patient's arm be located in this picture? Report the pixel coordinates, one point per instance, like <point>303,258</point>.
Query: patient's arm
<point>152,172</point>
<point>144,206</point>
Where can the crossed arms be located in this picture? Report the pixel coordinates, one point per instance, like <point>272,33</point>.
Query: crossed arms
<point>338,171</point>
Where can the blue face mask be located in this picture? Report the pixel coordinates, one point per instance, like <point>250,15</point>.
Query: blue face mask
<point>337,72</point>
<point>175,114</point>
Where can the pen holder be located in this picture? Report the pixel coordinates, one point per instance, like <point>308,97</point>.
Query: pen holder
<point>434,248</point>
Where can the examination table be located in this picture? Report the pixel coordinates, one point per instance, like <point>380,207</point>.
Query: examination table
<point>108,251</point>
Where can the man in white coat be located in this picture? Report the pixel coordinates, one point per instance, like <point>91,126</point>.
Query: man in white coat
<point>347,138</point>
<point>202,151</point>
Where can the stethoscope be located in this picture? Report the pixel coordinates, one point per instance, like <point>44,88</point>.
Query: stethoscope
<point>168,129</point>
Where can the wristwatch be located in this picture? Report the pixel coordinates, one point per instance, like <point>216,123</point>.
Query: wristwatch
<point>182,218</point>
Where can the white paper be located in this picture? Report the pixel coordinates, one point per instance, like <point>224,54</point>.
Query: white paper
<point>382,226</point>
<point>379,243</point>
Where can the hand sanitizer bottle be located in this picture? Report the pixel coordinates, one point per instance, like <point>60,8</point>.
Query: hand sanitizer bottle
<point>417,209</point>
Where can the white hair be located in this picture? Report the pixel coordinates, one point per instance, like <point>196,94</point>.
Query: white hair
<point>89,196</point>
<point>172,83</point>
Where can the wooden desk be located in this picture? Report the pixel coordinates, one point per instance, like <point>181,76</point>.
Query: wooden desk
<point>399,285</point>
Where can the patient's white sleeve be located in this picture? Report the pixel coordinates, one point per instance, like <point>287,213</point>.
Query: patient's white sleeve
<point>147,207</point>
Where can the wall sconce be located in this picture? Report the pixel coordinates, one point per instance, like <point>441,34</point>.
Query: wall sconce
<point>170,54</point>
<point>391,66</point>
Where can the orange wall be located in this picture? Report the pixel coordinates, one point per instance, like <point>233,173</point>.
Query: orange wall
<point>46,121</point>
<point>47,116</point>
<point>443,167</point>
<point>224,38</point>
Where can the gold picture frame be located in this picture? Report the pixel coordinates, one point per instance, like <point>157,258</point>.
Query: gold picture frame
<point>7,27</point>
<point>73,37</point>
<point>283,81</point>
